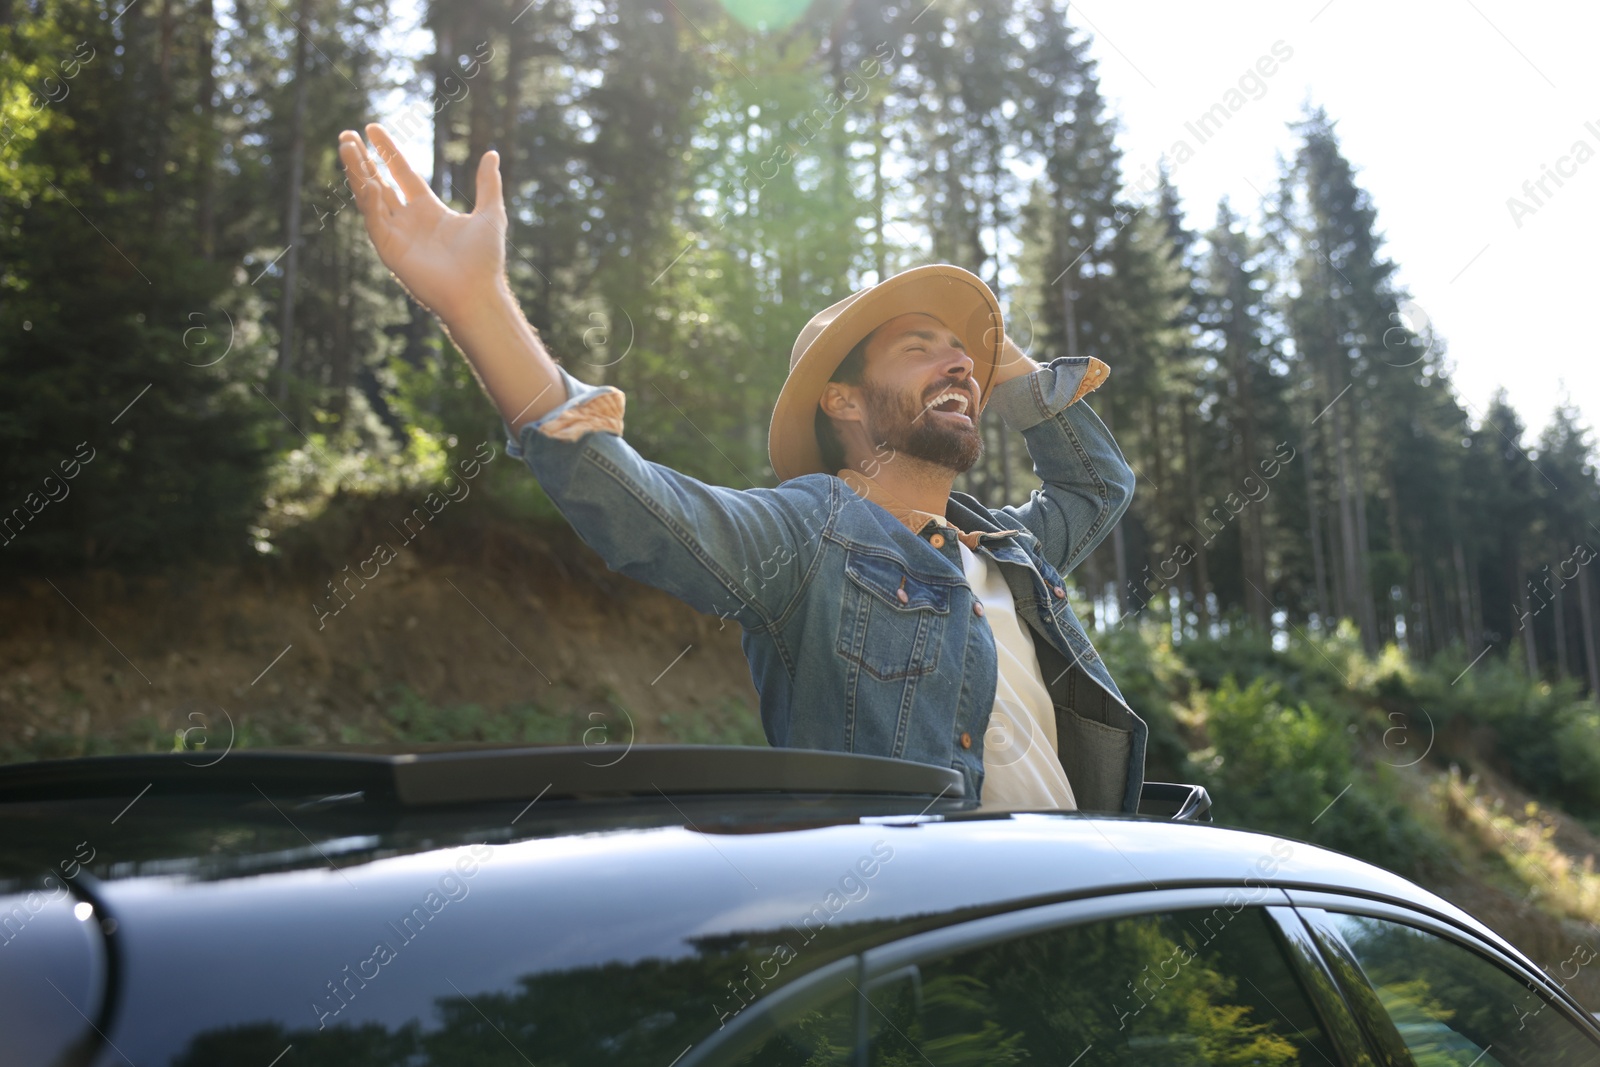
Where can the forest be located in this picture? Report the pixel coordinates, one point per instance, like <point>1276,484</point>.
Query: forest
<point>189,312</point>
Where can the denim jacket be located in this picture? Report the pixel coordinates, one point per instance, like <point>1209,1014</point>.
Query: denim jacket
<point>861,635</point>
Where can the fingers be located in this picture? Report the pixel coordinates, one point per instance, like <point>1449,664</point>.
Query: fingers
<point>373,194</point>
<point>411,182</point>
<point>490,196</point>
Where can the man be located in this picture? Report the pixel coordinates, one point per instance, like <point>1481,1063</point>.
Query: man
<point>882,613</point>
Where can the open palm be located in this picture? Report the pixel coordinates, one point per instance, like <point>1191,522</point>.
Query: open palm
<point>444,259</point>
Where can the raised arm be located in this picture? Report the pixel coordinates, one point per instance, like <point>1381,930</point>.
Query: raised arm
<point>1087,484</point>
<point>455,266</point>
<point>733,553</point>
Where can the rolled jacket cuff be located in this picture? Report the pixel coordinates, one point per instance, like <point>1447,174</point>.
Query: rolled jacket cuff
<point>587,409</point>
<point>1032,398</point>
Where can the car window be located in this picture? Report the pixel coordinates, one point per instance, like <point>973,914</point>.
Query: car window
<point>1452,1006</point>
<point>817,1035</point>
<point>1195,987</point>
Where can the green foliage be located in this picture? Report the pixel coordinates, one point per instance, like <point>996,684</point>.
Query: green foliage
<point>1282,764</point>
<point>1155,681</point>
<point>1304,749</point>
<point>731,723</point>
<point>1546,735</point>
<point>1292,770</point>
<point>98,311</point>
<point>413,718</point>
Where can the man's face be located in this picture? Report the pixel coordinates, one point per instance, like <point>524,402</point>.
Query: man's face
<point>919,393</point>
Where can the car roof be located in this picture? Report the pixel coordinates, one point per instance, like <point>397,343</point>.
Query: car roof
<point>697,811</point>
<point>288,868</point>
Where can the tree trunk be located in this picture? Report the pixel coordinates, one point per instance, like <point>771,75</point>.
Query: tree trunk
<point>1349,557</point>
<point>1119,540</point>
<point>135,108</point>
<point>1368,618</point>
<point>1419,642</point>
<point>1202,575</point>
<point>291,223</point>
<point>1561,632</point>
<point>415,352</point>
<point>1411,588</point>
<point>158,204</point>
<point>1525,623</point>
<point>1476,590</point>
<point>443,51</point>
<point>511,106</point>
<point>1069,302</point>
<point>1591,648</point>
<point>206,212</point>
<point>480,122</point>
<point>1319,565</point>
<point>1253,554</point>
<point>343,355</point>
<point>1469,635</point>
<point>878,262</point>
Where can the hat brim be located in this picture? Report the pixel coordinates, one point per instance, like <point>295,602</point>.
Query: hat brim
<point>954,296</point>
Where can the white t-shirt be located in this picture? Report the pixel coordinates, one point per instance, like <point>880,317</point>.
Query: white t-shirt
<point>1021,767</point>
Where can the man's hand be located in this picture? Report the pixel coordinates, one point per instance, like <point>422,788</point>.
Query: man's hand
<point>445,259</point>
<point>455,266</point>
<point>1013,364</point>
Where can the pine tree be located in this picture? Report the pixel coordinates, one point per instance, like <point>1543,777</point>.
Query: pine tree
<point>97,313</point>
<point>1250,406</point>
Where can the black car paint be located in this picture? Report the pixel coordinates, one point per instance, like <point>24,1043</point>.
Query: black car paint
<point>237,922</point>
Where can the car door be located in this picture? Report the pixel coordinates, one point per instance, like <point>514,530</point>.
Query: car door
<point>1193,976</point>
<point>1427,992</point>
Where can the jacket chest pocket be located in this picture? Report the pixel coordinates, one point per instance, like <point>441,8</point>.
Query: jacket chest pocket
<point>891,619</point>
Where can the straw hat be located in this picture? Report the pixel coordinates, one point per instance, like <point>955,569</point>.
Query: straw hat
<point>956,297</point>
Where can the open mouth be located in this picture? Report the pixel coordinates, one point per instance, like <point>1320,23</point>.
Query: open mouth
<point>951,402</point>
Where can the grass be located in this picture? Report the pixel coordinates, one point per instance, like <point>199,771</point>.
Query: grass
<point>409,717</point>
<point>1566,887</point>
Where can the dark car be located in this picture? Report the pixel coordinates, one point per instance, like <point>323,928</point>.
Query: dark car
<point>682,905</point>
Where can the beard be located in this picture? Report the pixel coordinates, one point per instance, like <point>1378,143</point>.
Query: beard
<point>898,420</point>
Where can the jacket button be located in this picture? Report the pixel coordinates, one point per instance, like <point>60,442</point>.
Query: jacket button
<point>937,540</point>
<point>1061,594</point>
<point>966,740</point>
<point>977,608</point>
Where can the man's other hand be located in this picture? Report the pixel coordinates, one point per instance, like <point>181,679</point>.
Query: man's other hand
<point>1014,363</point>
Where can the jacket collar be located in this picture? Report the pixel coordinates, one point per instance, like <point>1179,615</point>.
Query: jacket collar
<point>916,520</point>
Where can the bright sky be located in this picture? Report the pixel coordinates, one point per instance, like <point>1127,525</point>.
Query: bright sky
<point>1445,108</point>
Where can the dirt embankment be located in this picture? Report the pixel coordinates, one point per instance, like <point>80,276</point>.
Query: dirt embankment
<point>475,611</point>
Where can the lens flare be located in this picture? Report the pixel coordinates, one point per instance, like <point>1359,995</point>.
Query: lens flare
<point>766,15</point>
